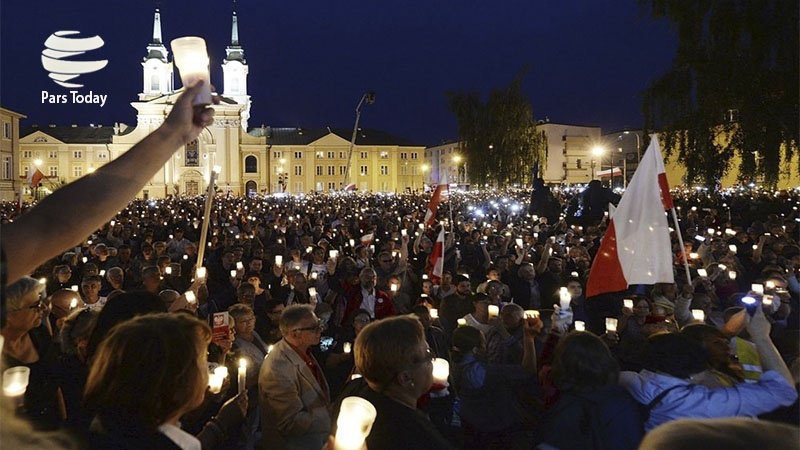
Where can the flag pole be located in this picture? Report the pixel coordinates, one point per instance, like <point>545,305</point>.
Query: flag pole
<point>683,247</point>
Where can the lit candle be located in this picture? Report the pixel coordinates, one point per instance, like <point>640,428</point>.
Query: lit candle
<point>766,300</point>
<point>239,265</point>
<point>732,274</point>
<point>462,322</point>
<point>233,274</point>
<point>441,371</point>
<point>770,284</point>
<point>732,248</point>
<point>494,311</point>
<point>531,314</point>
<point>221,371</point>
<point>699,315</point>
<point>354,376</point>
<point>269,348</point>
<point>347,347</point>
<point>434,313</point>
<point>168,270</point>
<point>15,381</point>
<point>333,254</point>
<point>757,288</point>
<point>314,275</point>
<point>215,382</point>
<point>242,378</point>
<point>611,324</point>
<point>580,325</point>
<point>693,255</point>
<point>393,287</point>
<point>191,58</point>
<point>278,260</point>
<point>73,303</point>
<point>356,416</point>
<point>518,242</point>
<point>422,226</point>
<point>200,273</point>
<point>74,288</point>
<point>190,297</point>
<point>565,298</point>
<point>627,303</point>
<point>702,273</point>
<point>85,260</point>
<point>404,232</point>
<point>312,292</point>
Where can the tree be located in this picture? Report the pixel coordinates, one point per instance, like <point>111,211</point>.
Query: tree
<point>732,88</point>
<point>499,136</point>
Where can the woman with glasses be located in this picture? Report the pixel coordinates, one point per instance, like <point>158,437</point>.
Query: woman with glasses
<point>27,342</point>
<point>396,364</point>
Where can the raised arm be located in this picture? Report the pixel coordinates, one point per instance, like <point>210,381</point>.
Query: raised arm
<point>83,205</point>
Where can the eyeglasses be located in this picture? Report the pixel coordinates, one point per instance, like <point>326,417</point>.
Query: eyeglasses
<point>318,328</point>
<point>429,356</point>
<point>36,306</point>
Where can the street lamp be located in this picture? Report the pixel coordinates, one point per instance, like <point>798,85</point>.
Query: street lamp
<point>597,152</point>
<point>638,145</point>
<point>457,161</point>
<point>369,98</point>
<point>424,175</point>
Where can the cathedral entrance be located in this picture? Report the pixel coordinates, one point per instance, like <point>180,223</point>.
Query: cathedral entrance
<point>191,181</point>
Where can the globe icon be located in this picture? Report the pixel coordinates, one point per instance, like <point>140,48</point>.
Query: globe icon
<point>60,47</point>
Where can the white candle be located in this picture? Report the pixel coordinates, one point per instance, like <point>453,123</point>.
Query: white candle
<point>74,288</point>
<point>347,347</point>
<point>314,275</point>
<point>699,315</point>
<point>732,274</point>
<point>242,378</point>
<point>278,260</point>
<point>611,324</point>
<point>627,303</point>
<point>732,248</point>
<point>462,322</point>
<point>434,313</point>
<point>531,314</point>
<point>757,288</point>
<point>702,273</point>
<point>191,58</point>
<point>312,292</point>
<point>404,232</point>
<point>494,311</point>
<point>770,284</point>
<point>233,274</point>
<point>441,371</point>
<point>190,297</point>
<point>333,254</point>
<point>393,287</point>
<point>221,371</point>
<point>565,298</point>
<point>766,300</point>
<point>580,325</point>
<point>85,259</point>
<point>239,265</point>
<point>168,270</point>
<point>15,381</point>
<point>215,382</point>
<point>200,273</point>
<point>356,416</point>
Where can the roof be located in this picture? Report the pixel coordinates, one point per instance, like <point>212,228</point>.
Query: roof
<point>73,135</point>
<point>305,136</point>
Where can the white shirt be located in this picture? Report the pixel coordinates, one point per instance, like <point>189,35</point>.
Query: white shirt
<point>96,306</point>
<point>181,438</point>
<point>368,301</point>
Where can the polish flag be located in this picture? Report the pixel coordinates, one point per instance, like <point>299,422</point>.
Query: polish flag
<point>433,205</point>
<point>35,176</point>
<point>636,248</point>
<point>436,260</point>
<point>367,238</point>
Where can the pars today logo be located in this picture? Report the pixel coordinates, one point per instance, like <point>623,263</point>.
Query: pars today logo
<point>57,59</point>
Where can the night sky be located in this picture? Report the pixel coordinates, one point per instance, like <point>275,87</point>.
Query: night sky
<point>311,60</point>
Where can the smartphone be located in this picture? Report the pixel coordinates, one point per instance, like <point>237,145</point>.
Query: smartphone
<point>325,343</point>
<point>750,304</point>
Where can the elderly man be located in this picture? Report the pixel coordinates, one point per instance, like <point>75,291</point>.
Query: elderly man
<point>292,390</point>
<point>366,296</point>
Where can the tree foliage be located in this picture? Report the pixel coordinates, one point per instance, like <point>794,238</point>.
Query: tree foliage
<point>499,135</point>
<point>732,88</point>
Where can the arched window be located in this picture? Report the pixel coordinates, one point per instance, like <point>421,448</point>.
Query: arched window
<point>251,164</point>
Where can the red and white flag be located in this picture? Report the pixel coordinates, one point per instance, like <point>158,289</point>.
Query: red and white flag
<point>35,176</point>
<point>433,205</point>
<point>436,260</point>
<point>636,248</point>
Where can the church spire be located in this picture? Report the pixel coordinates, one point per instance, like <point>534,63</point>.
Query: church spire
<point>156,68</point>
<point>157,28</point>
<point>234,52</point>
<point>234,71</point>
<point>235,27</point>
<point>156,49</point>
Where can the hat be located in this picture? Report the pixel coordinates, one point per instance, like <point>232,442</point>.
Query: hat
<point>22,292</point>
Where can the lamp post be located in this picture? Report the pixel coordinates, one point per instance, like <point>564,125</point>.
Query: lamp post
<point>424,175</point>
<point>457,161</point>
<point>369,98</point>
<point>597,152</point>
<point>638,144</point>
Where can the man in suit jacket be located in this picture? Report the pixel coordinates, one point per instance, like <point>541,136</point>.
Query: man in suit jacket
<point>367,297</point>
<point>292,390</point>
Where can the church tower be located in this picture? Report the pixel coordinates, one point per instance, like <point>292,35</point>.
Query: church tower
<point>156,70</point>
<point>234,70</point>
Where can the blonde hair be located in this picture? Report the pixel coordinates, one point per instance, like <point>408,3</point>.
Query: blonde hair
<point>385,348</point>
<point>21,292</point>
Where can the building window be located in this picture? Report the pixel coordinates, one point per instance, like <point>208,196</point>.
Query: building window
<point>320,155</point>
<point>277,155</point>
<point>384,155</point>
<point>364,171</point>
<point>77,154</point>
<point>414,170</point>
<point>364,155</point>
<point>27,154</point>
<point>52,154</point>
<point>403,155</point>
<point>101,155</point>
<point>384,186</point>
<point>298,187</point>
<point>342,170</point>
<point>52,171</point>
<point>578,163</point>
<point>384,170</point>
<point>251,164</point>
<point>404,170</point>
<point>298,155</point>
<point>298,170</point>
<point>319,171</point>
<point>331,186</point>
<point>192,151</point>
<point>7,130</point>
<point>331,155</point>
<point>413,155</point>
<point>331,170</point>
<point>77,171</point>
<point>342,155</point>
<point>6,169</point>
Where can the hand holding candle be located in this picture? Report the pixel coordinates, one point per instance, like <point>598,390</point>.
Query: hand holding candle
<point>356,416</point>
<point>564,298</point>
<point>191,58</point>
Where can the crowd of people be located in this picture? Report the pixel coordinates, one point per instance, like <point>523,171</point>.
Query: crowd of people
<point>305,300</point>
